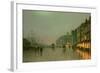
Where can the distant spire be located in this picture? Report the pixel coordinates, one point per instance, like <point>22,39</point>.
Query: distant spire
<point>68,33</point>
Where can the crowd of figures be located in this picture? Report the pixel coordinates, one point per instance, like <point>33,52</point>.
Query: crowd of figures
<point>38,48</point>
<point>38,51</point>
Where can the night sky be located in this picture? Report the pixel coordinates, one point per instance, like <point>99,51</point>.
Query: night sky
<point>47,26</point>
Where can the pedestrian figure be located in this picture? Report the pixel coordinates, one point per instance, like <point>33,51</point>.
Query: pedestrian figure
<point>64,50</point>
<point>38,50</point>
<point>53,46</point>
<point>41,51</point>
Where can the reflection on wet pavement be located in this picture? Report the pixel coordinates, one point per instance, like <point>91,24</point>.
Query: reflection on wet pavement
<point>50,54</point>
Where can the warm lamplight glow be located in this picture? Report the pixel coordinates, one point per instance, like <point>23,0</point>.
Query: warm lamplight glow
<point>84,55</point>
<point>84,45</point>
